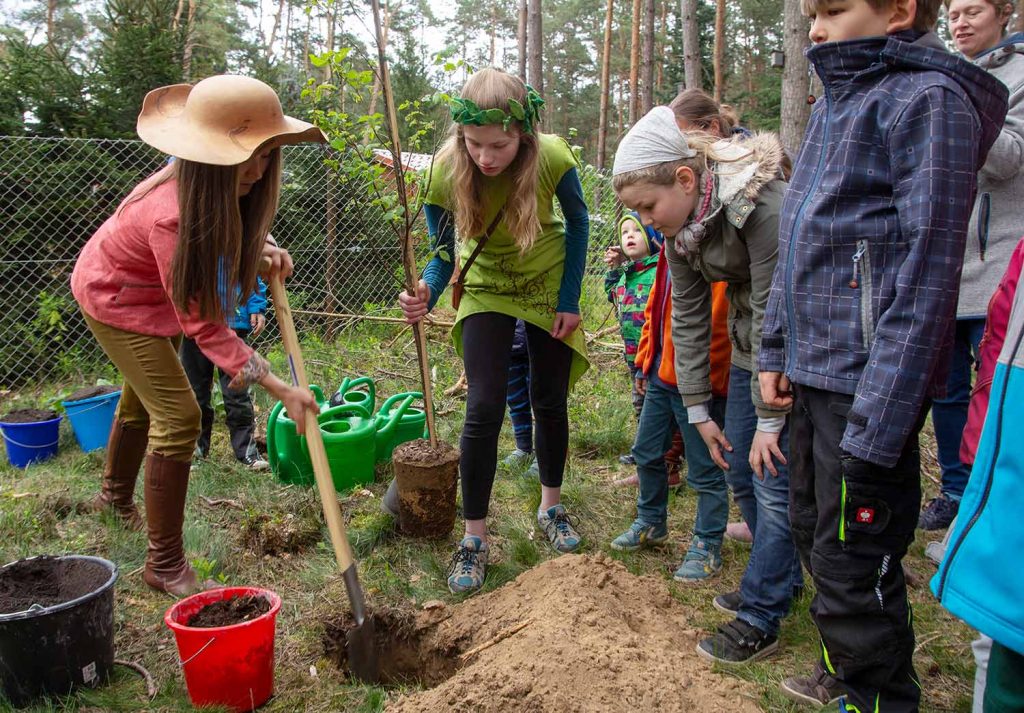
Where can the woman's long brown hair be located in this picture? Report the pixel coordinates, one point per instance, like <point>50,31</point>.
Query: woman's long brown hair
<point>220,235</point>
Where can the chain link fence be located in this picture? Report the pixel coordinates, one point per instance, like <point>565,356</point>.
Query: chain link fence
<point>55,193</point>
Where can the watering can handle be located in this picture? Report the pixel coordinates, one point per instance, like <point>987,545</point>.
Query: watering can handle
<point>394,418</point>
<point>384,407</point>
<point>318,455</point>
<point>359,382</point>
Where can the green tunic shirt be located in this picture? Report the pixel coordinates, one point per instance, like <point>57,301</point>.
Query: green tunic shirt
<point>501,280</point>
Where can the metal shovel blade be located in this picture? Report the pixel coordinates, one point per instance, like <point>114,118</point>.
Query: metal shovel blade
<point>362,652</point>
<point>361,640</point>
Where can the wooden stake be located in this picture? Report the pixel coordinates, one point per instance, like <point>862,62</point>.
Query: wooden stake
<point>408,259</point>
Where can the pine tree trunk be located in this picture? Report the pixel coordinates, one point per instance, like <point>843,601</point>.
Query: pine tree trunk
<point>287,32</point>
<point>795,83</point>
<point>535,37</point>
<point>634,66</point>
<point>494,32</point>
<point>521,38</point>
<point>190,42</point>
<point>606,64</point>
<point>647,62</point>
<point>691,45</point>
<point>718,56</point>
<point>268,51</point>
<point>177,14</point>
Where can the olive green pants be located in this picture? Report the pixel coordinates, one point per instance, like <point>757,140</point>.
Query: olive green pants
<point>156,393</point>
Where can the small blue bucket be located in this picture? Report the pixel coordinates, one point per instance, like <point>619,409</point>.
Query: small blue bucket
<point>31,442</point>
<point>91,419</point>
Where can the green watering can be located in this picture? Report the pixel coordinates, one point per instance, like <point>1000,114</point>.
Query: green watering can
<point>288,459</point>
<point>352,439</point>
<point>411,423</point>
<point>347,393</point>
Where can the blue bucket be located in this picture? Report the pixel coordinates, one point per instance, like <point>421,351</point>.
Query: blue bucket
<point>91,419</point>
<point>31,442</point>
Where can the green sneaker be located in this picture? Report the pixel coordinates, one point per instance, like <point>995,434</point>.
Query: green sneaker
<point>640,535</point>
<point>702,560</point>
<point>560,528</point>
<point>469,566</point>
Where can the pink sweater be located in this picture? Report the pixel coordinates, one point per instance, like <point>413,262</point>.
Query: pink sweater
<point>123,279</point>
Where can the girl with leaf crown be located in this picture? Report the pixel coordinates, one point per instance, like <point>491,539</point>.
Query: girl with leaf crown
<point>494,183</point>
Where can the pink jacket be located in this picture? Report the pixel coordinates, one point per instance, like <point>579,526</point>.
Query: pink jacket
<point>991,344</point>
<point>123,279</point>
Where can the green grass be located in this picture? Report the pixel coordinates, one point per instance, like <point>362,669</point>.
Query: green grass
<point>397,571</point>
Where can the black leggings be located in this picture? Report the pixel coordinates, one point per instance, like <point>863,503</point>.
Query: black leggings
<point>486,346</point>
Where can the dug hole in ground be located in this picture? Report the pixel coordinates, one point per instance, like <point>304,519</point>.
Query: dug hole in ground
<point>576,633</point>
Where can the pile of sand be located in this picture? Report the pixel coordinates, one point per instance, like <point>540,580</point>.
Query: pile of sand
<point>577,633</point>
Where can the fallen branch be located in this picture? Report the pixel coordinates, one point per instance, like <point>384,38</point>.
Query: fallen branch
<point>150,683</point>
<point>602,333</point>
<point>460,385</point>
<point>394,374</point>
<point>225,502</point>
<point>371,318</point>
<point>927,640</point>
<point>496,640</point>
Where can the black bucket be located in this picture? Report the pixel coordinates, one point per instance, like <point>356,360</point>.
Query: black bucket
<point>57,648</point>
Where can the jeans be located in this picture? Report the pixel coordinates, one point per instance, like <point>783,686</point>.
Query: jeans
<point>238,411</point>
<point>486,351</point>
<point>949,414</point>
<point>663,408</point>
<point>774,568</point>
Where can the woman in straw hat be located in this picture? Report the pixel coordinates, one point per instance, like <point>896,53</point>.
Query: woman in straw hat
<point>160,267</point>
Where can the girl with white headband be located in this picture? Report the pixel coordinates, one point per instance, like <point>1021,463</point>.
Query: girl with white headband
<point>717,202</point>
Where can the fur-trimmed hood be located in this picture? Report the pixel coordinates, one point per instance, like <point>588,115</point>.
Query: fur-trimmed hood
<point>748,165</point>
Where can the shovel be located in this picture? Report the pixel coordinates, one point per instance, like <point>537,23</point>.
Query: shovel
<point>360,640</point>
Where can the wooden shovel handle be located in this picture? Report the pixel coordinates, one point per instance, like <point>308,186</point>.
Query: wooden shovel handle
<point>321,468</point>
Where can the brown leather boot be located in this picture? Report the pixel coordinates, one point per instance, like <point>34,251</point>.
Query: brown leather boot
<point>125,451</point>
<point>674,459</point>
<point>167,570</point>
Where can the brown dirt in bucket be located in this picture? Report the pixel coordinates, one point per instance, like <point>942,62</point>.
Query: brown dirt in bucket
<point>427,479</point>
<point>577,633</point>
<point>28,415</point>
<point>89,392</point>
<point>229,611</point>
<point>48,581</point>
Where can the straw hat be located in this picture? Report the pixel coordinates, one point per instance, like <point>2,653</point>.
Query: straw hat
<point>221,120</point>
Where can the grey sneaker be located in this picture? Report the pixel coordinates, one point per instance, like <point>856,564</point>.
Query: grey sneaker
<point>468,569</point>
<point>702,560</point>
<point>389,503</point>
<point>818,689</point>
<point>640,535</point>
<point>517,459</point>
<point>560,528</point>
<point>533,471</point>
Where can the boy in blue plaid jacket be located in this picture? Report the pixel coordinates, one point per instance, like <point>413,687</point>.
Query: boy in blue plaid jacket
<point>860,319</point>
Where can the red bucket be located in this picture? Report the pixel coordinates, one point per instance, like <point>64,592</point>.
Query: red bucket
<point>229,666</point>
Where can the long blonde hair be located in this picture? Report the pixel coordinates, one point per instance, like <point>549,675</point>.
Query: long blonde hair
<point>491,88</point>
<point>220,235</point>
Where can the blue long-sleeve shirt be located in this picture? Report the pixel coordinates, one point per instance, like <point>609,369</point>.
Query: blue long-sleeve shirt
<point>569,192</point>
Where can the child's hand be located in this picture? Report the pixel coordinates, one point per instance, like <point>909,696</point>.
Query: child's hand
<point>762,449</point>
<point>641,385</point>
<point>415,308</point>
<point>613,257</point>
<point>776,391</point>
<point>716,441</point>
<point>257,322</point>
<point>565,324</point>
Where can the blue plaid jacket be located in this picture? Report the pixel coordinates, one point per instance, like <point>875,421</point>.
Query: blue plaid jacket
<point>873,229</point>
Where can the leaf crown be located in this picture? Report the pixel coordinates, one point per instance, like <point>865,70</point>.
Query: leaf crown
<point>466,112</point>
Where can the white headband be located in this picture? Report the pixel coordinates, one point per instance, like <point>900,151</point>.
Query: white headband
<point>653,140</point>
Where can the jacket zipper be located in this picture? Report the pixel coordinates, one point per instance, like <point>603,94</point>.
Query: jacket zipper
<point>862,270</point>
<point>790,312</point>
<point>952,551</point>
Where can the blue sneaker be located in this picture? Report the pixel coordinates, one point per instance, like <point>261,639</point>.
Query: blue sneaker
<point>640,535</point>
<point>702,560</point>
<point>560,529</point>
<point>469,566</point>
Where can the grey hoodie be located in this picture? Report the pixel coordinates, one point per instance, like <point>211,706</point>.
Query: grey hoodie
<point>997,222</point>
